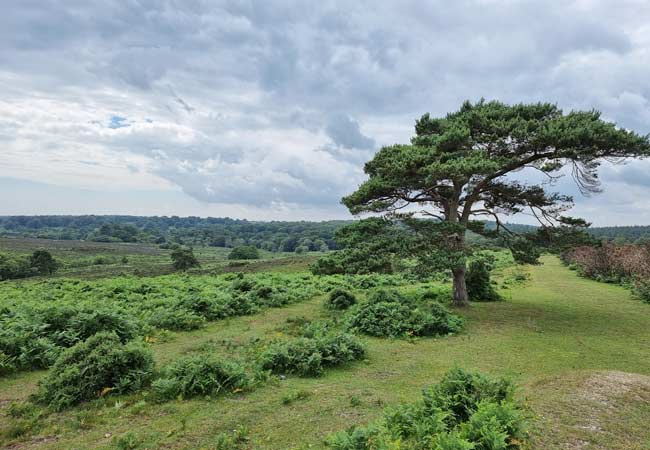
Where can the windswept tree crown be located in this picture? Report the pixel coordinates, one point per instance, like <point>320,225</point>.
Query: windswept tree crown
<point>460,166</point>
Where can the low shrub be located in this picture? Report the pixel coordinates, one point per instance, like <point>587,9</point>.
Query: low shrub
<point>199,375</point>
<point>244,252</point>
<point>389,314</point>
<point>340,299</point>
<point>310,356</point>
<point>641,289</point>
<point>101,365</point>
<point>33,337</point>
<point>464,411</point>
<point>479,286</point>
<point>183,258</point>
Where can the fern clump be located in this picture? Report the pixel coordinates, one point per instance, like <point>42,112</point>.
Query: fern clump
<point>390,314</point>
<point>309,356</point>
<point>340,299</point>
<point>464,411</point>
<point>199,375</point>
<point>101,365</point>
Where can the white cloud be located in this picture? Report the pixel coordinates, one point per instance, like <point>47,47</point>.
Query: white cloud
<point>273,107</point>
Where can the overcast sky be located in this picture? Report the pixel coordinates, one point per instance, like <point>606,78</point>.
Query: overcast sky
<point>268,109</point>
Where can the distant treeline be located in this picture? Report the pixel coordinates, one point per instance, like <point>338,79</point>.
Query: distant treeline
<point>638,234</point>
<point>226,232</point>
<point>216,232</point>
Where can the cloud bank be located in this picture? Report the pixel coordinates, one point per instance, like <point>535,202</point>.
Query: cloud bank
<point>255,107</point>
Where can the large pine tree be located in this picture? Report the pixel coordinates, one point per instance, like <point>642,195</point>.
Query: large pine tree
<point>462,167</point>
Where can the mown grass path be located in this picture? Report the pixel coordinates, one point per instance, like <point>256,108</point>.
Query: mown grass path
<point>580,350</point>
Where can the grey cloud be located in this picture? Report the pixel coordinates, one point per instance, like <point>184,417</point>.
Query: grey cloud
<point>345,132</point>
<point>258,101</point>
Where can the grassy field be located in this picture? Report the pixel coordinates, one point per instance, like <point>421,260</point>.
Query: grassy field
<point>86,259</point>
<point>577,348</point>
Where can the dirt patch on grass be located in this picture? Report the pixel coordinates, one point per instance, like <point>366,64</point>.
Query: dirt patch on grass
<point>606,387</point>
<point>604,405</point>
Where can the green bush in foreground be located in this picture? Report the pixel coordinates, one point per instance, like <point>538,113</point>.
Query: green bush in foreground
<point>464,411</point>
<point>309,356</point>
<point>199,375</point>
<point>99,366</point>
<point>340,299</point>
<point>389,314</point>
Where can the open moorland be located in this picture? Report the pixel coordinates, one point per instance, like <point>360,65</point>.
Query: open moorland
<point>575,348</point>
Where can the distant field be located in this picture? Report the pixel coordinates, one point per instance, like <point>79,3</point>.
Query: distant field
<point>88,260</point>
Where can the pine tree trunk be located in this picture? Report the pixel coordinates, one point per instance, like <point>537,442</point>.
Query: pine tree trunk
<point>460,288</point>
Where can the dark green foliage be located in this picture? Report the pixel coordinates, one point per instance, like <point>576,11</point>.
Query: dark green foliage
<point>244,252</point>
<point>460,167</point>
<point>389,314</point>
<point>479,286</point>
<point>340,299</point>
<point>12,267</point>
<point>641,289</point>
<point>38,320</point>
<point>32,338</point>
<point>524,251</point>
<point>183,258</point>
<point>43,262</point>
<point>199,375</point>
<point>460,392</point>
<point>310,356</point>
<point>328,265</point>
<point>210,231</point>
<point>101,365</point>
<point>465,411</point>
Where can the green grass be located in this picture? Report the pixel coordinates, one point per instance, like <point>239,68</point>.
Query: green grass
<point>79,258</point>
<point>554,335</point>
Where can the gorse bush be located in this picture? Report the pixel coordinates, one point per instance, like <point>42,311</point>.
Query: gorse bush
<point>340,299</point>
<point>244,252</point>
<point>390,314</point>
<point>464,411</point>
<point>479,286</point>
<point>101,365</point>
<point>199,375</point>
<point>309,356</point>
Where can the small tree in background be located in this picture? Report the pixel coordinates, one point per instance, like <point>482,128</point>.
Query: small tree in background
<point>244,252</point>
<point>461,167</point>
<point>183,258</point>
<point>43,262</point>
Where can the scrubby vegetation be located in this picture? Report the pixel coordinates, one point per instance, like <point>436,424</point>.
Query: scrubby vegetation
<point>627,264</point>
<point>479,286</point>
<point>39,320</point>
<point>14,266</point>
<point>244,252</point>
<point>391,314</point>
<point>465,410</point>
<point>199,375</point>
<point>340,299</point>
<point>183,258</point>
<point>102,365</point>
<point>309,356</point>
